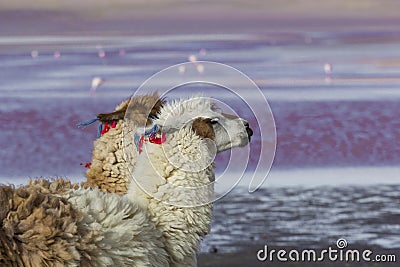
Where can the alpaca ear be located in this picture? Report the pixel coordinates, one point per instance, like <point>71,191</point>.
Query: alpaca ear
<point>155,111</point>
<point>203,128</point>
<point>140,106</point>
<point>116,115</point>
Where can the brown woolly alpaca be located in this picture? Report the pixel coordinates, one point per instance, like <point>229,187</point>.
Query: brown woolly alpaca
<point>108,170</point>
<point>37,228</point>
<point>47,224</point>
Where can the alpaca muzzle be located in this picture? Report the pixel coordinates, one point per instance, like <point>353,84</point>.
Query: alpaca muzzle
<point>249,131</point>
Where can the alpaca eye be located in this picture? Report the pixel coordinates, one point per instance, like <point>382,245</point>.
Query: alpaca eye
<point>214,121</point>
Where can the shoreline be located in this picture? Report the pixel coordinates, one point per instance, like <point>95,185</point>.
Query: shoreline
<point>280,177</point>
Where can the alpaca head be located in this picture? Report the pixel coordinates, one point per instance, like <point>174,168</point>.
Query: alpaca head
<point>200,114</point>
<point>194,131</point>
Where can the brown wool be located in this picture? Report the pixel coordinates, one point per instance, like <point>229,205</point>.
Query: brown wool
<point>203,128</point>
<point>38,227</point>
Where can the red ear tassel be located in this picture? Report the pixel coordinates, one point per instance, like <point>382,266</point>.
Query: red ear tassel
<point>106,128</point>
<point>113,124</point>
<point>158,140</point>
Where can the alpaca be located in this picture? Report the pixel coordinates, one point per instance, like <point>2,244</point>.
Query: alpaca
<point>45,224</point>
<point>108,170</point>
<point>159,222</point>
<point>173,181</point>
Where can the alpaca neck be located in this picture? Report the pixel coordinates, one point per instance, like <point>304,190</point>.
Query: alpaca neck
<point>156,179</point>
<point>178,172</point>
<point>177,199</point>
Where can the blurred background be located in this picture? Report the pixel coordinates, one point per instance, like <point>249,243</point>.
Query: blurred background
<point>330,71</point>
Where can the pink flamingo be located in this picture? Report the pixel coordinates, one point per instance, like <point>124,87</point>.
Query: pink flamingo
<point>96,82</point>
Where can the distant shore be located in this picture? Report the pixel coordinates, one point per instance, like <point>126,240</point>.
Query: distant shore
<point>193,17</point>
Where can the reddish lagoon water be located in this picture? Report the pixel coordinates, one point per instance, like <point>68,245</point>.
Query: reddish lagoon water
<point>328,122</point>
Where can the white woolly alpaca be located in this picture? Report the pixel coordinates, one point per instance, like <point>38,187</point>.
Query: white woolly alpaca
<point>173,181</point>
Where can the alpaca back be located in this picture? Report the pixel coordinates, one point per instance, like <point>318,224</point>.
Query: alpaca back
<point>49,224</point>
<point>37,228</point>
<point>117,231</point>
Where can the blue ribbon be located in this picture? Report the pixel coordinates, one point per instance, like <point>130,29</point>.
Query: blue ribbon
<point>87,123</point>
<point>151,133</point>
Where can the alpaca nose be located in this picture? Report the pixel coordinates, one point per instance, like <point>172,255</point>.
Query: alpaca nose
<point>248,129</point>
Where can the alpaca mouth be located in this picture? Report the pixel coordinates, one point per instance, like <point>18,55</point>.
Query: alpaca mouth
<point>249,132</point>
